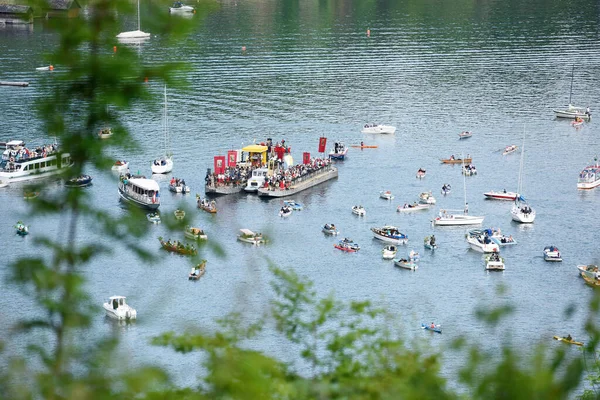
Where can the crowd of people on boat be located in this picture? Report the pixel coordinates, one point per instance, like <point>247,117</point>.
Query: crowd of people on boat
<point>176,245</point>
<point>11,156</point>
<point>283,178</point>
<point>204,203</point>
<point>237,175</point>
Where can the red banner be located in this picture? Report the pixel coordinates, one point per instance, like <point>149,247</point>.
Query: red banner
<point>322,144</point>
<point>306,158</point>
<point>231,158</point>
<point>280,152</point>
<point>219,164</point>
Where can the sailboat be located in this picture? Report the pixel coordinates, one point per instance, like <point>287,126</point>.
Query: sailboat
<point>134,34</point>
<point>521,211</point>
<point>164,164</point>
<point>458,217</point>
<point>572,111</point>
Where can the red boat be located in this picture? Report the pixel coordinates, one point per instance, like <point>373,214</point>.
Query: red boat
<point>504,195</point>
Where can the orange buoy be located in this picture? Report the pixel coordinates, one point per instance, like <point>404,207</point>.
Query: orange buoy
<point>146,80</point>
<point>114,49</point>
<point>51,68</point>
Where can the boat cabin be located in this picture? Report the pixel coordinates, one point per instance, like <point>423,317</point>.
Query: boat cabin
<point>116,302</point>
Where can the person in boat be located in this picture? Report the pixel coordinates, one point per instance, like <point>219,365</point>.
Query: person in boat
<point>588,111</point>
<point>432,326</point>
<point>432,240</point>
<point>466,208</point>
<point>568,337</point>
<point>452,157</point>
<point>362,144</point>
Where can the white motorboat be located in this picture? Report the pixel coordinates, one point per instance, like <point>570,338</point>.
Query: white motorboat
<point>429,242</point>
<point>19,163</point>
<point>389,234</point>
<point>117,308</point>
<point>137,34</point>
<point>375,128</point>
<point>427,198</point>
<point>465,134</point>
<point>408,263</point>
<point>469,170</point>
<point>178,186</point>
<point>347,245</point>
<point>589,178</point>
<point>499,238</point>
<point>504,195</point>
<point>294,205</point>
<point>257,180</point>
<point>412,207</point>
<point>493,262</point>
<point>178,7</point>
<point>359,210</point>
<point>509,149</point>
<point>389,252</point>
<point>153,217</point>
<point>247,236</point>
<point>194,233</point>
<point>285,211</point>
<point>139,191</point>
<point>446,189</point>
<point>120,166</point>
<point>164,164</point>
<point>46,68</point>
<point>339,151</point>
<point>480,241</point>
<point>330,229</point>
<point>386,194</point>
<point>551,253</point>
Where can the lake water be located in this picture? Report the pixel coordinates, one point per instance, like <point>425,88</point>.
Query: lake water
<point>432,69</point>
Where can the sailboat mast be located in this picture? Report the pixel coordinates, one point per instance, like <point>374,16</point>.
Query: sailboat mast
<point>166,123</point>
<point>138,12</point>
<point>464,181</point>
<point>572,77</point>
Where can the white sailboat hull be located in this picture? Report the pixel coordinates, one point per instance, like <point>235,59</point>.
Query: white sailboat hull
<point>458,220</point>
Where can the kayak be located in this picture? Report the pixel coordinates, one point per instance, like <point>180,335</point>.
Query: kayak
<point>438,328</point>
<point>565,340</point>
<point>364,147</point>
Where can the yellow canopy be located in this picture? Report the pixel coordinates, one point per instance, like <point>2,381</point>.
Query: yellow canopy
<point>255,148</point>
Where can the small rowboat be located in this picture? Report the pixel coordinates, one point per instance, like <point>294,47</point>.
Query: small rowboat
<point>429,242</point>
<point>120,166</point>
<point>153,217</point>
<point>406,264</point>
<point>194,233</point>
<point>465,135</point>
<point>285,211</point>
<point>330,229</point>
<point>22,229</point>
<point>179,214</point>
<point>293,205</point>
<point>105,133</point>
<point>421,173</point>
<point>568,341</point>
<point>456,160</point>
<point>197,271</point>
<point>509,149</point>
<point>178,247</point>
<point>435,328</point>
<point>30,195</point>
<point>577,123</point>
<point>358,146</point>
<point>387,195</point>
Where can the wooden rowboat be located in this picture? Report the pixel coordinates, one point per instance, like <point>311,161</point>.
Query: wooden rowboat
<point>456,160</point>
<point>177,247</point>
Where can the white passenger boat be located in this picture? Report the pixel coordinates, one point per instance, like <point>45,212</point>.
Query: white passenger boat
<point>257,180</point>
<point>504,195</point>
<point>117,308</point>
<point>19,163</point>
<point>386,194</point>
<point>427,198</point>
<point>139,191</point>
<point>412,207</point>
<point>389,252</point>
<point>480,241</point>
<point>179,8</point>
<point>551,253</point>
<point>509,149</point>
<point>359,210</point>
<point>493,262</point>
<point>247,236</point>
<point>389,234</point>
<point>330,229</point>
<point>589,178</point>
<point>375,128</point>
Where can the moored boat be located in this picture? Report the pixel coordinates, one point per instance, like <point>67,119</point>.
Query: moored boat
<point>509,149</point>
<point>493,262</point>
<point>429,242</point>
<point>247,236</point>
<point>432,327</point>
<point>406,264</point>
<point>117,308</point>
<point>456,217</point>
<point>164,164</point>
<point>465,134</point>
<point>375,128</point>
<point>590,274</point>
<point>589,178</point>
<point>197,271</point>
<point>178,247</point>
<point>22,229</point>
<point>479,240</point>
<point>338,152</point>
<point>359,210</point>
<point>389,234</point>
<point>389,252</point>
<point>194,233</point>
<point>522,212</point>
<point>120,166</point>
<point>412,207</point>
<point>139,191</point>
<point>504,195</point>
<point>177,185</point>
<point>285,211</point>
<point>257,180</point>
<point>79,181</point>
<point>386,194</point>
<point>208,206</point>
<point>453,160</point>
<point>426,198</point>
<point>178,7</point>
<point>551,253</point>
<point>572,112</point>
<point>330,229</point>
<point>347,245</point>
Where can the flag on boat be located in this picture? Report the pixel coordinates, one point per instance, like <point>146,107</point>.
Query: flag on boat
<point>322,144</point>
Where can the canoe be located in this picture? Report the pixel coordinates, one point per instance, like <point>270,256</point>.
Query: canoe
<point>437,329</point>
<point>565,340</point>
<point>456,160</point>
<point>357,146</point>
